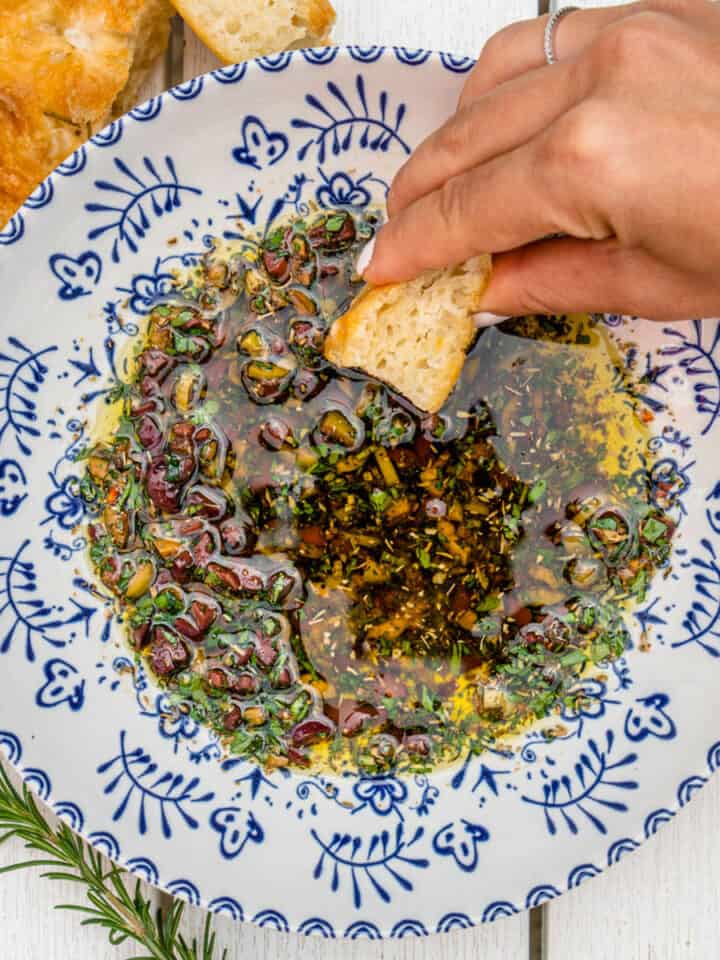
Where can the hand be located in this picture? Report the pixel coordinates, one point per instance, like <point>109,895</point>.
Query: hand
<point>617,147</point>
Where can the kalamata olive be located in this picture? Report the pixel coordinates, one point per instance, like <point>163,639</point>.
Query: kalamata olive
<point>165,495</point>
<point>232,719</point>
<point>203,549</point>
<point>306,384</point>
<point>182,565</point>
<point>353,717</point>
<point>394,429</point>
<point>275,433</point>
<point>205,501</point>
<point>298,757</point>
<point>237,535</point>
<point>245,685</point>
<point>198,619</point>
<point>238,656</point>
<point>265,653</point>
<point>139,407</point>
<point>249,578</point>
<point>312,730</point>
<point>141,635</point>
<point>237,577</point>
<point>156,362</point>
<point>284,679</point>
<point>149,386</point>
<point>277,265</point>
<point>306,338</point>
<point>204,613</point>
<point>95,531</point>
<point>328,270</point>
<point>284,588</point>
<point>149,432</point>
<point>227,577</point>
<point>443,428</point>
<point>333,234</point>
<point>168,653</point>
<point>417,744</point>
<point>181,437</point>
<point>304,333</point>
<point>216,678</point>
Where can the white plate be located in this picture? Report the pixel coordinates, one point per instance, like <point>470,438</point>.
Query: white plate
<point>376,856</point>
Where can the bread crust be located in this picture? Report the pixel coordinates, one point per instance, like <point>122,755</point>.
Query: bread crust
<point>63,66</point>
<point>370,335</point>
<point>317,15</point>
<point>321,19</point>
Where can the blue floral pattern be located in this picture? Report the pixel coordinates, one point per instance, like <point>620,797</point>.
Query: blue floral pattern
<point>259,147</point>
<point>373,856</point>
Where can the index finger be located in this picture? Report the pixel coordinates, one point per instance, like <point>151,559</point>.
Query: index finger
<point>508,202</point>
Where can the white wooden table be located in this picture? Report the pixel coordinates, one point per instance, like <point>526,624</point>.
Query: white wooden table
<point>658,904</point>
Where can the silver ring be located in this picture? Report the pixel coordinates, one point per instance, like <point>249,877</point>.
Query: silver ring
<point>550,28</point>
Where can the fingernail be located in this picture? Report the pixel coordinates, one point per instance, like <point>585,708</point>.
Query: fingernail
<point>488,319</point>
<point>365,257</point>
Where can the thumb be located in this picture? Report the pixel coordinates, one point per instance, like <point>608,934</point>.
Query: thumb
<point>567,275</point>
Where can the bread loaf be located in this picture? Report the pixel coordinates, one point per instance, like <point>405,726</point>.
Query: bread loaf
<point>413,336</point>
<point>239,29</point>
<point>65,70</point>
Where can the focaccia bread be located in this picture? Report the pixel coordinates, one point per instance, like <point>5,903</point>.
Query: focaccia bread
<point>239,29</point>
<point>67,67</point>
<point>413,336</point>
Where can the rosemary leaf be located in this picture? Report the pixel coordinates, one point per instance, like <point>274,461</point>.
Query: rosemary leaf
<point>113,903</point>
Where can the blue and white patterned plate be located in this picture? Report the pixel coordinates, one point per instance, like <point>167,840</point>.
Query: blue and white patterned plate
<point>360,857</point>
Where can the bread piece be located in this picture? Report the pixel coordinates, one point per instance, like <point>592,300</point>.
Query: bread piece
<point>64,67</point>
<point>239,29</point>
<point>413,336</point>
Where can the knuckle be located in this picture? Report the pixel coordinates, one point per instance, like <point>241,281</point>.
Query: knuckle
<point>579,142</point>
<point>534,293</point>
<point>451,203</point>
<point>498,47</point>
<point>455,137</point>
<point>398,191</point>
<point>627,42</point>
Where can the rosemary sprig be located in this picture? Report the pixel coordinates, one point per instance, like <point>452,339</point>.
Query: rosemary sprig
<point>113,904</point>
